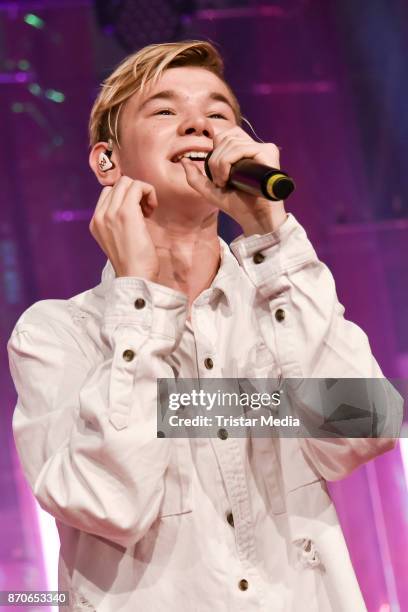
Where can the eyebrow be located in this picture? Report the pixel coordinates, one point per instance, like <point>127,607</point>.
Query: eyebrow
<point>170,94</point>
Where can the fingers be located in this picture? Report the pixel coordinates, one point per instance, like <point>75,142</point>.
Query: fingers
<point>101,203</point>
<point>107,197</point>
<point>97,215</point>
<point>114,201</point>
<point>141,193</point>
<point>232,145</point>
<point>149,200</point>
<point>198,181</point>
<point>112,198</point>
<point>126,199</point>
<point>228,152</point>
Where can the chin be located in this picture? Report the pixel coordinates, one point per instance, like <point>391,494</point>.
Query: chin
<point>173,191</point>
<point>186,200</point>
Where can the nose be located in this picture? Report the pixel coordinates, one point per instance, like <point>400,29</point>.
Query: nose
<point>197,124</point>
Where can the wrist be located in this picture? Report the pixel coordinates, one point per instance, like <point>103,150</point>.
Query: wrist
<point>137,273</point>
<point>266,220</point>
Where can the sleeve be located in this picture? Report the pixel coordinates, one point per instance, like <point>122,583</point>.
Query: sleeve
<point>310,337</point>
<point>85,430</point>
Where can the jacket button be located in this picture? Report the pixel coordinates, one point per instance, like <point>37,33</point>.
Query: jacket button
<point>222,434</point>
<point>128,355</point>
<point>258,258</point>
<point>140,303</point>
<point>280,314</point>
<point>208,362</point>
<point>243,584</point>
<point>230,518</point>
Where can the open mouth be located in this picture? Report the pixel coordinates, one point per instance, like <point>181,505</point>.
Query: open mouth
<point>198,157</point>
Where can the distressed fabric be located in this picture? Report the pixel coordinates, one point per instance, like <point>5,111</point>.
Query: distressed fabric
<point>189,525</point>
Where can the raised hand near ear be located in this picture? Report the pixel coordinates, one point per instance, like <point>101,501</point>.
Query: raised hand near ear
<point>118,226</point>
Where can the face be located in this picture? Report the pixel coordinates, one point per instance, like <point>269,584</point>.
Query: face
<point>182,112</point>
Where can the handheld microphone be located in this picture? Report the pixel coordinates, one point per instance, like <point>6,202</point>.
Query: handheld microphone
<point>257,179</point>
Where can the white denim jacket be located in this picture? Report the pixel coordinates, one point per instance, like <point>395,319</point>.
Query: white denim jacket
<point>190,525</point>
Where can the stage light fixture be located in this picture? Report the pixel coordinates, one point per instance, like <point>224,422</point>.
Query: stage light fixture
<point>140,23</point>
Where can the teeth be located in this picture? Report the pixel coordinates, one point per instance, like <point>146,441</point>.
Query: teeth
<point>193,154</point>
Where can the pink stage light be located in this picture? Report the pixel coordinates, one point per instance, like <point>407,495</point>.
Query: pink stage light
<point>50,546</point>
<point>403,446</point>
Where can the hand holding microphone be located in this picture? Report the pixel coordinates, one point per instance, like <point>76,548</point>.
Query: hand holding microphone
<point>257,179</point>
<point>242,178</point>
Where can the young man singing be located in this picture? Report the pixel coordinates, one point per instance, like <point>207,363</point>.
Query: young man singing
<point>190,525</point>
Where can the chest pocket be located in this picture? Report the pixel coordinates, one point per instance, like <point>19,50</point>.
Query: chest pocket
<point>260,362</point>
<point>177,497</point>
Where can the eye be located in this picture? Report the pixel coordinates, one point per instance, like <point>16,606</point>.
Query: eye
<point>217,116</point>
<point>166,111</point>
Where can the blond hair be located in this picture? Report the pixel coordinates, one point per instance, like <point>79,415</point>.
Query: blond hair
<point>136,70</point>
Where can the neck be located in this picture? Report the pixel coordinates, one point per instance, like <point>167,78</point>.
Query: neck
<point>188,250</point>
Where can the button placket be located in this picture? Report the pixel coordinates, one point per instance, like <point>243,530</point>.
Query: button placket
<point>232,469</point>
<point>206,359</point>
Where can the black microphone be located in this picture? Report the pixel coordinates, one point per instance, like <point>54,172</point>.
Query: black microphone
<point>257,179</point>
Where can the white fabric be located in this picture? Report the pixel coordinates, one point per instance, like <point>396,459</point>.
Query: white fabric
<point>142,520</point>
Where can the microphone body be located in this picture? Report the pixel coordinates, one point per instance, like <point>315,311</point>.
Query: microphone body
<point>257,179</point>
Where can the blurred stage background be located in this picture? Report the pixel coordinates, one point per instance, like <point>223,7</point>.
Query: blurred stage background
<point>327,81</point>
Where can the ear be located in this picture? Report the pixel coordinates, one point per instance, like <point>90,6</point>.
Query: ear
<point>107,177</point>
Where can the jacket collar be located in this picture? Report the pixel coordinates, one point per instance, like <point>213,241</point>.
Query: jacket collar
<point>224,281</point>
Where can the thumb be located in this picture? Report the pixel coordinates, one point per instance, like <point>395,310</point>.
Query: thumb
<point>194,176</point>
<point>199,181</point>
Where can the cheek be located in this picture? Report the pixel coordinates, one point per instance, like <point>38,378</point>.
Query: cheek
<point>138,161</point>
<point>145,152</point>
<point>151,168</point>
